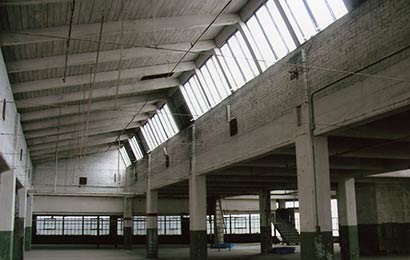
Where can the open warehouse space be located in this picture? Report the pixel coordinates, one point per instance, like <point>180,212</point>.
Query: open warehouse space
<point>204,129</point>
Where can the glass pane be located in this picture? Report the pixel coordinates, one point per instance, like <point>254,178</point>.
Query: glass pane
<point>135,148</point>
<point>198,93</point>
<point>233,67</point>
<point>271,32</point>
<point>226,69</point>
<point>221,83</point>
<point>260,59</point>
<point>281,26</point>
<point>247,55</point>
<point>125,157</point>
<point>263,45</point>
<point>208,86</point>
<point>191,106</point>
<point>168,114</point>
<point>321,13</point>
<point>154,139</point>
<point>147,138</point>
<point>167,127</point>
<point>338,7</point>
<point>194,99</point>
<point>297,7</point>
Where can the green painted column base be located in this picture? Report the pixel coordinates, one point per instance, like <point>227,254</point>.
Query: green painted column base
<point>128,238</point>
<point>6,245</point>
<point>152,243</point>
<point>198,245</point>
<point>18,242</point>
<point>316,245</point>
<point>349,242</point>
<point>266,240</point>
<point>27,238</point>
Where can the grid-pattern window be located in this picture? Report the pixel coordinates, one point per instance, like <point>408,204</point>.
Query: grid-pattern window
<point>210,224</point>
<point>237,224</point>
<point>161,225</point>
<point>49,225</point>
<point>73,225</point>
<point>240,224</point>
<point>139,225</point>
<point>135,148</point>
<point>173,225</point>
<point>159,128</point>
<point>120,226</point>
<point>125,157</point>
<point>90,225</point>
<point>255,224</point>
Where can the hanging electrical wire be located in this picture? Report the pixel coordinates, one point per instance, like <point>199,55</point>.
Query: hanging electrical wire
<point>68,40</point>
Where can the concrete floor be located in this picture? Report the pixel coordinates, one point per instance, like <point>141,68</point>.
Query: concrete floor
<point>240,252</point>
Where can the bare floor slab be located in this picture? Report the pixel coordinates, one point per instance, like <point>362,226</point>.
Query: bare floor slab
<point>168,252</point>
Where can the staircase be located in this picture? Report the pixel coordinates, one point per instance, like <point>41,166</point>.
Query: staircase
<point>287,230</point>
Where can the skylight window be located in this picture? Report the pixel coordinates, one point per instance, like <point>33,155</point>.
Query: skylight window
<point>135,148</point>
<point>125,157</point>
<point>159,128</point>
<point>206,88</point>
<point>310,16</point>
<point>265,37</point>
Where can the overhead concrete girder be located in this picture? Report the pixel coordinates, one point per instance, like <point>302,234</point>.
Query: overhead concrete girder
<point>107,56</point>
<point>87,143</point>
<point>136,73</point>
<point>70,153</point>
<point>105,105</point>
<point>77,136</point>
<point>140,87</point>
<point>78,128</point>
<point>129,26</point>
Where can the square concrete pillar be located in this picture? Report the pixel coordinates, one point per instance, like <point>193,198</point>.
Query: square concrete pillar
<point>7,206</point>
<point>348,234</point>
<point>197,213</point>
<point>19,224</point>
<point>265,221</point>
<point>127,220</point>
<point>152,224</point>
<point>314,197</point>
<point>28,223</point>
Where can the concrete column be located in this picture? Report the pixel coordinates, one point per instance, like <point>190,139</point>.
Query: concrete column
<point>28,223</point>
<point>7,206</point>
<point>348,236</point>
<point>19,224</point>
<point>282,204</point>
<point>197,213</point>
<point>152,224</point>
<point>127,220</point>
<point>314,197</point>
<point>265,221</point>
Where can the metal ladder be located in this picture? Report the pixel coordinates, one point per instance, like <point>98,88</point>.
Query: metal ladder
<point>220,225</point>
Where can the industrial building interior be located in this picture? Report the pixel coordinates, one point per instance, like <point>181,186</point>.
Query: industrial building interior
<point>204,129</point>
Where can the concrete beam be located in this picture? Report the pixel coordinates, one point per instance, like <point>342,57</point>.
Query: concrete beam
<point>76,136</point>
<point>129,26</point>
<point>107,56</point>
<point>68,143</point>
<point>82,119</point>
<point>136,73</point>
<point>76,129</point>
<point>95,106</point>
<point>139,87</point>
<point>69,154</point>
<point>90,142</point>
